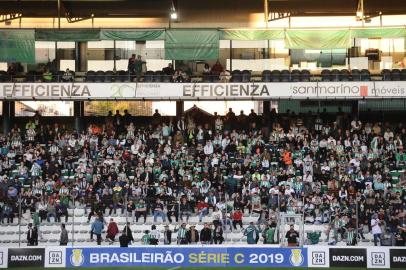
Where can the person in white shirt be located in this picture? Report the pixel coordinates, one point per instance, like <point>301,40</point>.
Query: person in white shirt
<point>376,229</point>
<point>208,148</point>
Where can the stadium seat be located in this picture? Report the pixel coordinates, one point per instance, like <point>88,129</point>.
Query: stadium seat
<point>335,75</point>
<point>158,76</point>
<point>344,75</point>
<point>246,76</point>
<point>266,76</point>
<point>305,75</point>
<point>207,77</point>
<point>90,76</point>
<point>32,76</point>
<point>236,76</point>
<point>149,76</point>
<point>395,75</point>
<point>402,75</point>
<point>285,75</point>
<point>325,75</point>
<point>355,75</point>
<point>275,76</point>
<point>4,77</point>
<point>386,75</point>
<point>295,75</point>
<point>99,77</point>
<point>365,75</point>
<point>109,76</point>
<point>122,76</point>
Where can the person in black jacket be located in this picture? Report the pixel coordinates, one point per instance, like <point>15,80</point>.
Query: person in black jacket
<point>127,230</point>
<point>124,241</point>
<point>167,235</point>
<point>206,235</point>
<point>192,235</point>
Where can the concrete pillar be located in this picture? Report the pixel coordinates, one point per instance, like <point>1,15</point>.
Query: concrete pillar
<point>78,113</point>
<point>8,115</point>
<point>179,109</point>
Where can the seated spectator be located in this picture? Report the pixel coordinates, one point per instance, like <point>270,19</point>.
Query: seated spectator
<point>169,71</point>
<point>224,76</point>
<point>67,76</point>
<point>217,68</point>
<point>47,76</point>
<point>159,210</point>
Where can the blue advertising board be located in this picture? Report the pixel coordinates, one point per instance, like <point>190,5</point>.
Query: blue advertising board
<point>186,256</point>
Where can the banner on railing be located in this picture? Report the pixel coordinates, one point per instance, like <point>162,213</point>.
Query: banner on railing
<point>202,91</point>
<point>187,257</point>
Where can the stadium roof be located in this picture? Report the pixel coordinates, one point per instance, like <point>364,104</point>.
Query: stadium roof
<point>160,8</point>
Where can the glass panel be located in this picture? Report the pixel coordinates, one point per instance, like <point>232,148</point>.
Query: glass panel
<point>221,107</point>
<point>66,55</point>
<point>100,55</point>
<point>45,108</point>
<point>135,108</point>
<point>124,50</point>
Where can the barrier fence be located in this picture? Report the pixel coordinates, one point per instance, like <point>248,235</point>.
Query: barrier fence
<point>203,256</point>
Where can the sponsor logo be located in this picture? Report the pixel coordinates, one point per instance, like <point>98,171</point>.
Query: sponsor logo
<point>296,257</point>
<point>45,90</point>
<point>55,257</point>
<point>77,258</point>
<point>22,257</point>
<point>348,258</point>
<point>397,258</point>
<point>226,90</point>
<point>351,257</point>
<point>330,90</point>
<point>318,258</point>
<point>390,91</point>
<point>378,258</point>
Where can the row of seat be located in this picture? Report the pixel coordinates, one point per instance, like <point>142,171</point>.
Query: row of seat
<point>393,75</point>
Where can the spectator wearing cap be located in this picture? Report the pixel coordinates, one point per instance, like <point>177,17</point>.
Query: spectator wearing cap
<point>192,235</point>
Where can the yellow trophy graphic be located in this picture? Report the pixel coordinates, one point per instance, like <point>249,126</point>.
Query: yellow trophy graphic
<point>296,257</point>
<point>77,258</point>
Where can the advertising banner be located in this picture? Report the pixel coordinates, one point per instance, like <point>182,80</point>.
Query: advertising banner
<point>318,256</point>
<point>3,257</point>
<point>190,256</point>
<point>398,258</point>
<point>348,257</point>
<point>378,257</point>
<point>202,91</point>
<point>26,257</point>
<point>55,257</point>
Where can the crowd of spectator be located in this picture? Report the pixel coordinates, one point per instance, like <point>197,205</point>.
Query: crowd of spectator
<point>343,173</point>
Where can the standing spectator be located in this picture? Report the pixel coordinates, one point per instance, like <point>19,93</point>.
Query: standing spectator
<point>154,236</point>
<point>64,239</point>
<point>252,234</point>
<point>218,234</point>
<point>202,209</point>
<point>182,240</point>
<point>167,235</point>
<point>97,228</point>
<point>112,231</point>
<point>217,68</point>
<point>30,235</point>
<point>123,239</point>
<point>146,238</point>
<point>192,235</point>
<point>237,218</point>
<point>206,234</point>
<point>376,229</point>
<point>127,230</point>
<point>292,236</point>
<point>131,65</point>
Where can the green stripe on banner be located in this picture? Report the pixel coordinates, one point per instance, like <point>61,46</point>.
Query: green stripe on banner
<point>17,46</point>
<point>378,33</point>
<point>67,35</point>
<point>317,39</point>
<point>191,44</point>
<point>109,34</point>
<point>252,34</point>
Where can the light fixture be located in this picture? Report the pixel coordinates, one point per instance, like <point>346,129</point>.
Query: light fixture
<point>360,10</point>
<point>174,15</point>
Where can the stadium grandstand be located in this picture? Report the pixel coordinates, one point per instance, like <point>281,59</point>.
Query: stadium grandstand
<point>189,134</point>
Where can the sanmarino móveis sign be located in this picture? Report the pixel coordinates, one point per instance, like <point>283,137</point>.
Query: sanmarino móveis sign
<point>203,91</point>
